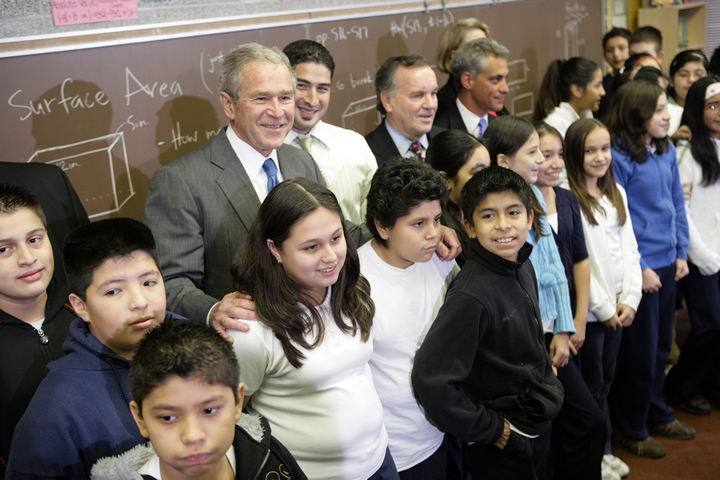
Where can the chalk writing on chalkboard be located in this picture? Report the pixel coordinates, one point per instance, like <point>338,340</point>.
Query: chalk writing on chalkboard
<point>102,159</point>
<point>74,12</point>
<point>410,26</point>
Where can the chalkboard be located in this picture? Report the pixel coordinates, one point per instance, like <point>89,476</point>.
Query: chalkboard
<point>111,116</point>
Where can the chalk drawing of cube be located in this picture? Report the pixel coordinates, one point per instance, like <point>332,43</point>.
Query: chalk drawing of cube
<point>353,117</point>
<point>98,169</point>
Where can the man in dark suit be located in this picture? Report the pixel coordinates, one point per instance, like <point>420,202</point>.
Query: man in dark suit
<point>480,68</point>
<point>201,206</point>
<point>406,90</point>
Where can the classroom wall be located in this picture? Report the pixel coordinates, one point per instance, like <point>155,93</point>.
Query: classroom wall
<point>110,116</point>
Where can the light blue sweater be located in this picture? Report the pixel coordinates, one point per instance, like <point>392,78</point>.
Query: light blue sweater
<point>553,291</point>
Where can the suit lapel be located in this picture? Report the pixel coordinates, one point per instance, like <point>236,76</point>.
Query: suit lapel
<point>234,181</point>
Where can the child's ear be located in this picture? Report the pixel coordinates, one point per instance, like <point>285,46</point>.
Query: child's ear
<point>450,182</point>
<point>384,232</point>
<point>576,91</point>
<point>660,56</point>
<point>137,415</point>
<point>503,160</point>
<point>470,228</point>
<point>274,250</point>
<point>79,306</point>
<point>531,215</point>
<point>240,398</point>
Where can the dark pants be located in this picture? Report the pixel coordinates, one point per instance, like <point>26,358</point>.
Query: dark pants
<point>433,467</point>
<point>522,458</point>
<point>636,396</point>
<point>387,470</point>
<point>578,432</point>
<point>697,372</point>
<point>599,357</point>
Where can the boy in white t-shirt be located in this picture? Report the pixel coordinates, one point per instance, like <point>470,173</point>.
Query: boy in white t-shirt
<point>408,283</point>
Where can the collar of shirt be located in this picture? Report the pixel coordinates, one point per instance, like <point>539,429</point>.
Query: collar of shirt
<point>402,142</point>
<point>152,466</point>
<point>252,161</point>
<point>318,132</point>
<point>470,120</point>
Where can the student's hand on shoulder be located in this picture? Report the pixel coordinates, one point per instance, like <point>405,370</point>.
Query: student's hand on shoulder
<point>625,314</point>
<point>560,349</point>
<point>613,323</point>
<point>682,133</point>
<point>448,248</point>
<point>224,316</point>
<point>687,190</point>
<point>681,268</point>
<point>651,281</point>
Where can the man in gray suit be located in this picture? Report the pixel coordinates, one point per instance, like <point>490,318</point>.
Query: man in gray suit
<point>201,206</point>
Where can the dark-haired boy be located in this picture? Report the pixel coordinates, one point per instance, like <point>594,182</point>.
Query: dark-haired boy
<point>80,411</point>
<point>616,49</point>
<point>187,396</point>
<point>483,372</point>
<point>408,283</point>
<point>34,320</point>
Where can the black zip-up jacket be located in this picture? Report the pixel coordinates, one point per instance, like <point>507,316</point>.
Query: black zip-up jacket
<point>484,359</point>
<point>24,354</point>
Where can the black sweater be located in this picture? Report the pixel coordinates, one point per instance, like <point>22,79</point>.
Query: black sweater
<point>484,359</point>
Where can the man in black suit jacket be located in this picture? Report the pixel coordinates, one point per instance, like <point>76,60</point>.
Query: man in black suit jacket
<point>480,68</point>
<point>406,89</point>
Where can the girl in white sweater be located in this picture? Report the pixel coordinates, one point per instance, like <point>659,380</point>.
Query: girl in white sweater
<point>615,275</point>
<point>694,382</point>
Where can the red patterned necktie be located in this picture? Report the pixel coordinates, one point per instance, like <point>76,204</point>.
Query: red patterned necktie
<point>416,148</point>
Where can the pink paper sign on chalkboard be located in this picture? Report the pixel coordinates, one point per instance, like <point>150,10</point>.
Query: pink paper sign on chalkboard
<point>72,12</point>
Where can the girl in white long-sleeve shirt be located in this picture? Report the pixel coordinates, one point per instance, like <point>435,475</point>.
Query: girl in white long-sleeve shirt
<point>615,275</point>
<point>696,378</point>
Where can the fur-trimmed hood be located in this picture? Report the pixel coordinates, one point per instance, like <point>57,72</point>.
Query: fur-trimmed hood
<point>126,465</point>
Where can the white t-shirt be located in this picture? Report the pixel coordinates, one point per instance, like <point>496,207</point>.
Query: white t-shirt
<point>327,412</point>
<point>406,302</point>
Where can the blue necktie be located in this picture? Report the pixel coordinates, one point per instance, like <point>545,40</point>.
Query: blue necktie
<point>271,171</point>
<point>481,127</point>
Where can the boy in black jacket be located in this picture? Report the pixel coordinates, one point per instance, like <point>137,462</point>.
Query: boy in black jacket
<point>187,398</point>
<point>483,372</point>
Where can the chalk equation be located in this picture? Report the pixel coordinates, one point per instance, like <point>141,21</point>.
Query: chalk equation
<point>338,34</point>
<point>74,12</point>
<point>164,90</point>
<point>410,26</point>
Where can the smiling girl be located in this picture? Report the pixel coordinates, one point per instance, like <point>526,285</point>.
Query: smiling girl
<point>305,362</point>
<point>644,164</point>
<point>694,383</point>
<point>571,90</point>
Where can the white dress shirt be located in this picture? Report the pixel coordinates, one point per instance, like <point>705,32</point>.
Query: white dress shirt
<point>252,161</point>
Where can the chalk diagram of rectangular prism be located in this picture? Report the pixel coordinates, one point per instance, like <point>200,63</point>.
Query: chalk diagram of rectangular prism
<point>523,104</point>
<point>350,119</point>
<point>98,169</point>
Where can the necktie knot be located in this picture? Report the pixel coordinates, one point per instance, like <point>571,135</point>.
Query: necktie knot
<point>271,172</point>
<point>305,143</point>
<point>416,148</point>
<point>482,125</point>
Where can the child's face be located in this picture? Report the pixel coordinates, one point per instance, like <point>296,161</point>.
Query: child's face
<point>598,154</point>
<point>711,115</point>
<point>685,77</point>
<point>125,299</point>
<point>552,152</point>
<point>413,237</point>
<point>594,91</point>
<point>479,160</point>
<point>526,160</point>
<point>645,47</point>
<point>26,258</point>
<point>501,224</point>
<point>314,253</point>
<point>657,126</point>
<point>191,425</point>
<point>617,50</point>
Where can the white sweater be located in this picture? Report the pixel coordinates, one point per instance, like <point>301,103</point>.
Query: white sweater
<point>603,296</point>
<point>703,212</point>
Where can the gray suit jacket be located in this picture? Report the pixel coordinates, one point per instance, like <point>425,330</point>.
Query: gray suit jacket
<point>200,208</point>
<point>382,145</point>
